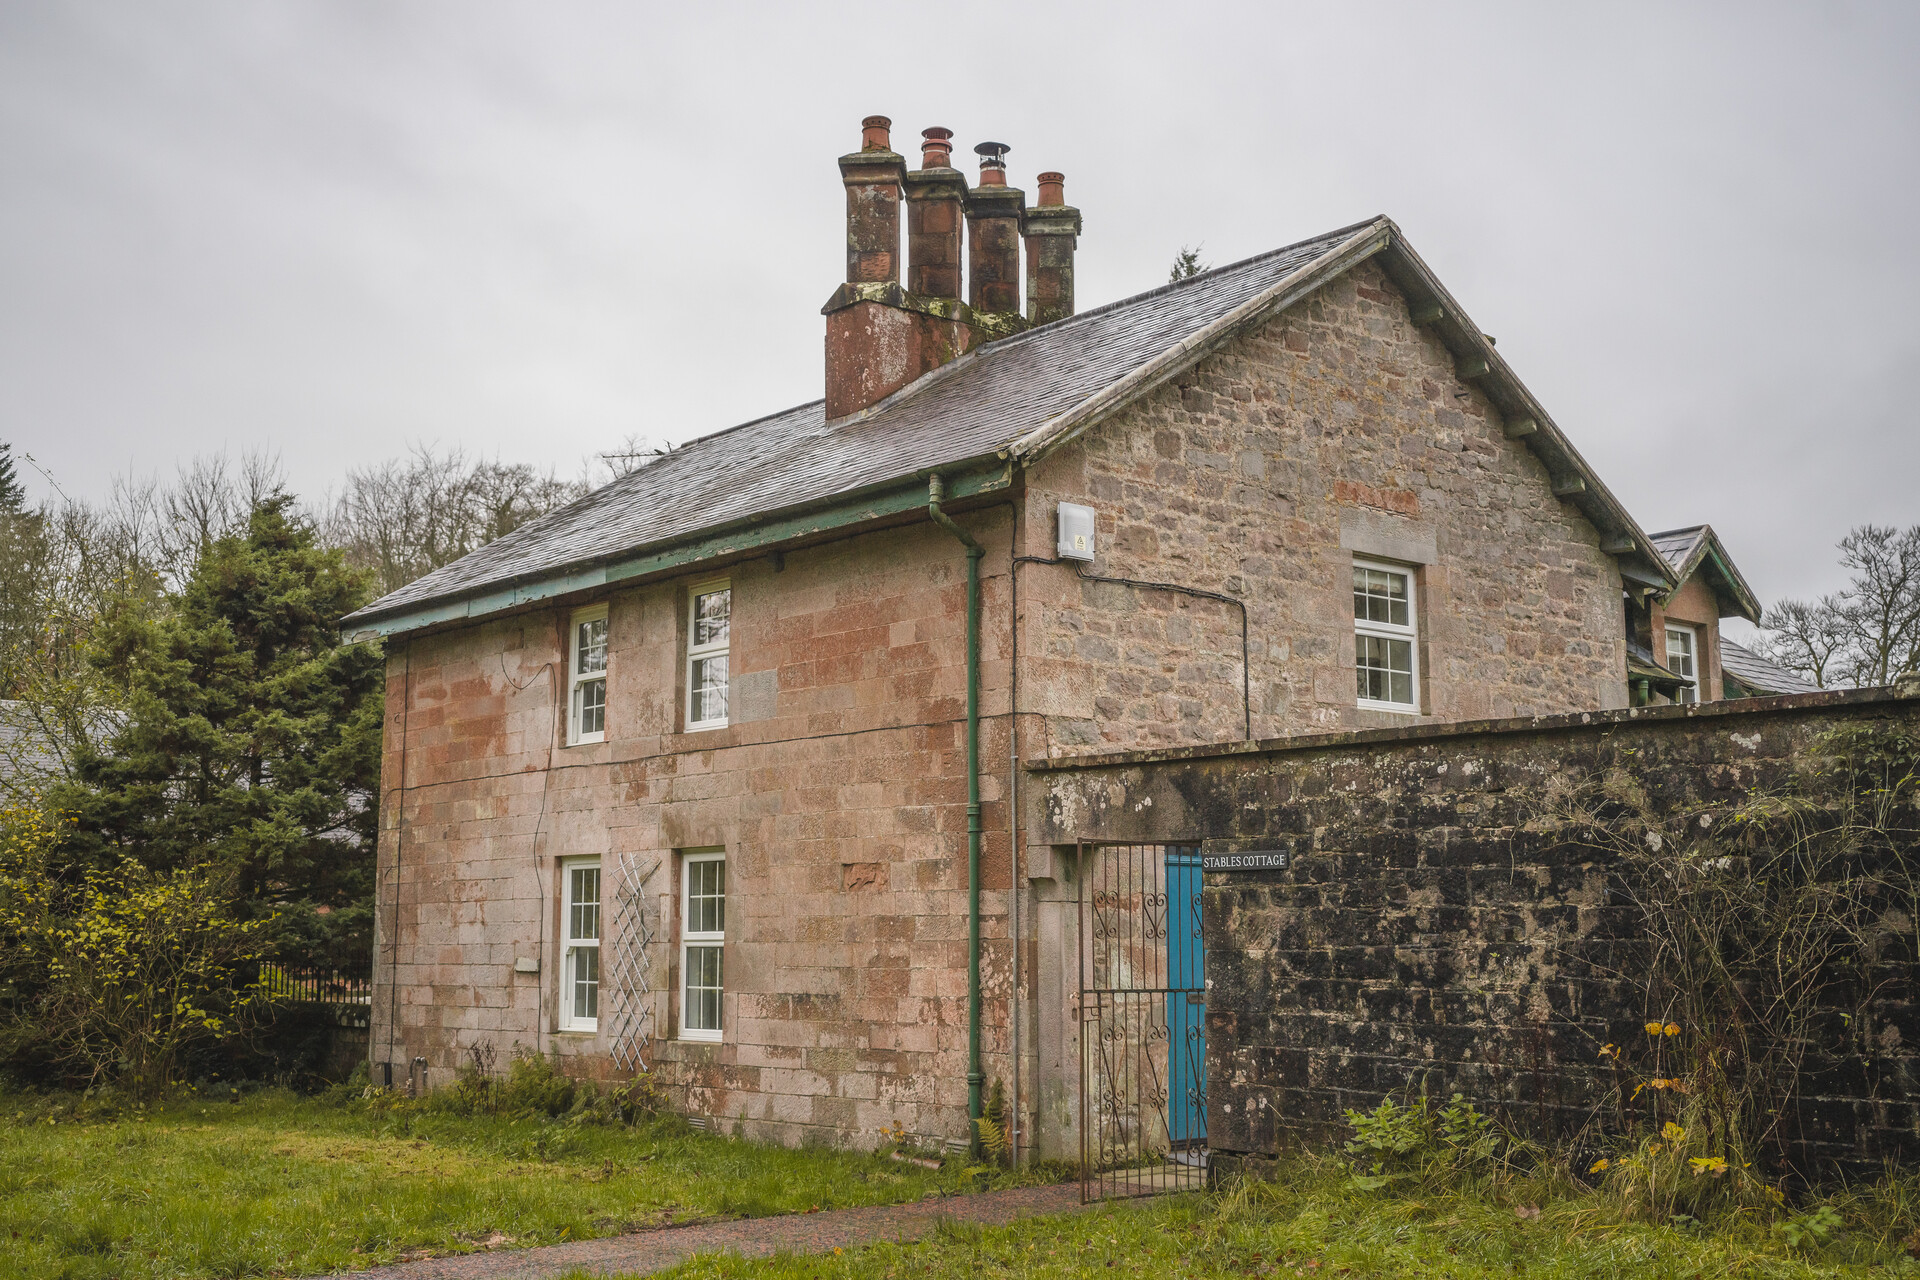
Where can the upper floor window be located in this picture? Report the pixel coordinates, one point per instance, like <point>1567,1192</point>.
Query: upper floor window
<point>587,670</point>
<point>703,936</point>
<point>1683,659</point>
<point>1384,636</point>
<point>580,927</point>
<point>710,611</point>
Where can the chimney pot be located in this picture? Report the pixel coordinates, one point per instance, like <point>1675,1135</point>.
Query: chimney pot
<point>993,163</point>
<point>1053,189</point>
<point>875,135</point>
<point>936,152</point>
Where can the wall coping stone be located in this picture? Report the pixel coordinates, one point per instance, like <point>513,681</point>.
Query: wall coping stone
<point>1906,692</point>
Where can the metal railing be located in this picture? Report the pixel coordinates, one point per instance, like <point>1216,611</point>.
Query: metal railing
<point>314,986</point>
<point>1143,1108</point>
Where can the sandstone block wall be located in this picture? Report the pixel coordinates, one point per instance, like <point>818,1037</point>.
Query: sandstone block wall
<point>1430,930</point>
<point>838,791</point>
<point>1338,428</point>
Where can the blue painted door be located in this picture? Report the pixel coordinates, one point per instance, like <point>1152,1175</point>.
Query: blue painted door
<point>1186,1002</point>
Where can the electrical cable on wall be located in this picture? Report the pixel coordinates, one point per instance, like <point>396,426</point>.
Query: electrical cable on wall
<point>399,849</point>
<point>1246,674</point>
<point>540,822</point>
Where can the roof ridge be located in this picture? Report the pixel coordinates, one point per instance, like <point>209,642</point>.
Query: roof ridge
<point>938,375</point>
<point>1174,286</point>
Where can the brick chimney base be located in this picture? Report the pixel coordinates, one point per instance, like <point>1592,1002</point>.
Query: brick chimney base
<point>880,338</point>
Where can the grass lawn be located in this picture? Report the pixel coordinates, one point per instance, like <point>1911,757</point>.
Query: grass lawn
<point>279,1185</point>
<point>1316,1225</point>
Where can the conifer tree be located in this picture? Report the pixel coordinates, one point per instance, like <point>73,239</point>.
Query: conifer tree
<point>13,496</point>
<point>1187,264</point>
<point>251,739</point>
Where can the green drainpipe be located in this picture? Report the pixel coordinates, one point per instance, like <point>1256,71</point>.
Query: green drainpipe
<point>975,1076</point>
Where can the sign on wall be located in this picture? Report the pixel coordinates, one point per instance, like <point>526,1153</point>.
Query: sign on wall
<point>1247,860</point>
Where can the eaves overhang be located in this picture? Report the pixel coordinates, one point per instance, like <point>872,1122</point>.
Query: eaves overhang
<point>844,513</point>
<point>1476,360</point>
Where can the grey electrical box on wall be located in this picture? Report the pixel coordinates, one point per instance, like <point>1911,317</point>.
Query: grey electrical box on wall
<point>1076,532</point>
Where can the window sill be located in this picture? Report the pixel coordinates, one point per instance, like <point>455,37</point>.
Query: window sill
<point>706,726</point>
<point>596,740</point>
<point>1392,708</point>
<point>583,1033</point>
<point>700,1037</point>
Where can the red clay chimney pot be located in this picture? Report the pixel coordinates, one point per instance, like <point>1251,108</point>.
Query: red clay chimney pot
<point>936,152</point>
<point>874,135</point>
<point>1053,188</point>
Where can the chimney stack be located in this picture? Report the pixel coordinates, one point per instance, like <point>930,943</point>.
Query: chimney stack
<point>993,244</point>
<point>880,337</point>
<point>873,175</point>
<point>935,192</point>
<point>1052,229</point>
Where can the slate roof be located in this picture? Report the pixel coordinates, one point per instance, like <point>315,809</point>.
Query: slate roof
<point>973,407</point>
<point>1016,398</point>
<point>1677,545</point>
<point>1642,664</point>
<point>1687,550</point>
<point>1760,674</point>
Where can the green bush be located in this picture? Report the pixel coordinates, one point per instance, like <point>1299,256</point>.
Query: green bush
<point>1417,1142</point>
<point>534,1087</point>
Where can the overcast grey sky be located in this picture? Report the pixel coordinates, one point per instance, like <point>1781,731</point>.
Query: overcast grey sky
<point>333,229</point>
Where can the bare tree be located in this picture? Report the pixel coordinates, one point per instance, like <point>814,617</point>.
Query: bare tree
<point>634,452</point>
<point>1867,633</point>
<point>1809,638</point>
<point>406,517</point>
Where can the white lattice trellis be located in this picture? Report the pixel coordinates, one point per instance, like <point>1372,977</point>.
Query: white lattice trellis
<point>625,988</point>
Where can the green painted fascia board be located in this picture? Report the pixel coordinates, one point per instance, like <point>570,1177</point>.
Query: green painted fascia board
<point>1736,586</point>
<point>890,502</point>
<point>909,495</point>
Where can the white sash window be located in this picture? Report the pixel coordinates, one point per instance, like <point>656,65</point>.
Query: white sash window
<point>580,918</point>
<point>703,936</point>
<point>587,671</point>
<point>709,624</point>
<point>1385,637</point>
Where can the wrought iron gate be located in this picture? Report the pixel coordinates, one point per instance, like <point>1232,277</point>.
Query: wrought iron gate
<point>1143,1049</point>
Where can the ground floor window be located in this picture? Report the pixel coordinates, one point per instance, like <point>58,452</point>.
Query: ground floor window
<point>580,928</point>
<point>703,935</point>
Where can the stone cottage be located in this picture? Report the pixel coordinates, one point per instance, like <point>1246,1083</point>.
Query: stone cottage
<point>717,768</point>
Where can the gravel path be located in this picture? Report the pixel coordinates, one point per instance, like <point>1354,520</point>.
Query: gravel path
<point>646,1252</point>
